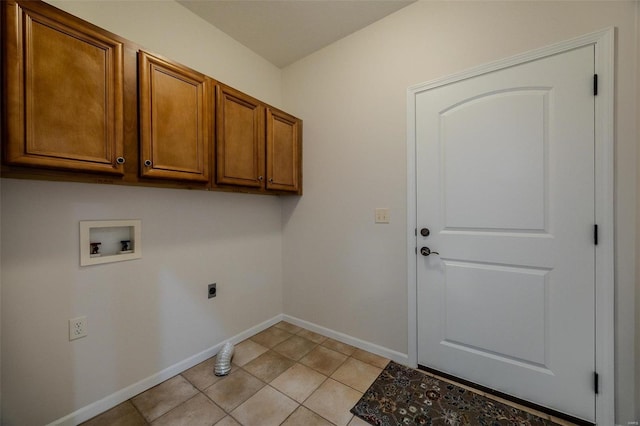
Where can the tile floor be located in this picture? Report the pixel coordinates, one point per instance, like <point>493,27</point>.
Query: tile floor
<point>285,375</point>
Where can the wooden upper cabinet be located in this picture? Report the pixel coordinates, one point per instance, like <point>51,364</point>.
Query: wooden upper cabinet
<point>239,139</point>
<point>175,120</point>
<point>63,86</point>
<point>284,133</point>
<point>78,100</point>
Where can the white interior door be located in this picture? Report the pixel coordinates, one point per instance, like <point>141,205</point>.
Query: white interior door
<point>505,184</point>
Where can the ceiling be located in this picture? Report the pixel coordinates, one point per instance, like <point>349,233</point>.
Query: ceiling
<point>283,31</point>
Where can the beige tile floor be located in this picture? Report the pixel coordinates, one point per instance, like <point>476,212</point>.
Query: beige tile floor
<point>285,375</point>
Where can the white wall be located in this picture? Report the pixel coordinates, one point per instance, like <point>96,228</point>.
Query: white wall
<point>637,73</point>
<point>143,315</point>
<point>346,273</point>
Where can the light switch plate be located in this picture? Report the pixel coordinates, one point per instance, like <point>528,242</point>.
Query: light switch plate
<point>382,215</point>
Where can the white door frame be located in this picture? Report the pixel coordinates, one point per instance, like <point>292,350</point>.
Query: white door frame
<point>603,42</point>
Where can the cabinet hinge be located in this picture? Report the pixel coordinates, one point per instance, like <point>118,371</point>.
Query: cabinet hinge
<point>595,85</point>
<point>596,384</point>
<point>595,234</point>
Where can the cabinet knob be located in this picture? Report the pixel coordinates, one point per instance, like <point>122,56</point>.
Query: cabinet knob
<point>147,163</point>
<point>270,180</point>
<point>260,178</point>
<point>120,160</point>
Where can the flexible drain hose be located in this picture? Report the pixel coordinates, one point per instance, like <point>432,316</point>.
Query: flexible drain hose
<point>223,360</point>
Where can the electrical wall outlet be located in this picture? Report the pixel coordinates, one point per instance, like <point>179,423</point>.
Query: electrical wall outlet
<point>77,328</point>
<point>211,291</point>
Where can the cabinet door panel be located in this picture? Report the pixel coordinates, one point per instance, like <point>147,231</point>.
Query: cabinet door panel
<point>283,151</point>
<point>174,120</point>
<point>240,139</point>
<point>64,88</point>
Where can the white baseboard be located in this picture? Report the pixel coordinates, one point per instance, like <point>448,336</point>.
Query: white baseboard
<point>110,401</point>
<point>100,406</point>
<point>353,341</point>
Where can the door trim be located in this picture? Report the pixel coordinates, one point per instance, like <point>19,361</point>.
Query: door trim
<point>603,42</point>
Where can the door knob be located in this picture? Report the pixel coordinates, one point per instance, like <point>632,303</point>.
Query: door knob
<point>426,251</point>
<point>425,232</point>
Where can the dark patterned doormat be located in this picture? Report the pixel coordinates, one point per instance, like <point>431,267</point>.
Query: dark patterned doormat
<point>404,396</point>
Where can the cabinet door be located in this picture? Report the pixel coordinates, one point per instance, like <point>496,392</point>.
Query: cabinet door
<point>63,84</point>
<point>174,120</point>
<point>239,139</point>
<point>284,133</point>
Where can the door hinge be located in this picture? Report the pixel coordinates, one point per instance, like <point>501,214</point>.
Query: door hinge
<point>415,231</point>
<point>595,234</point>
<point>596,382</point>
<point>416,248</point>
<point>595,85</point>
